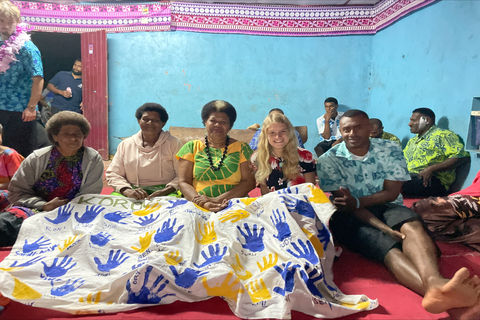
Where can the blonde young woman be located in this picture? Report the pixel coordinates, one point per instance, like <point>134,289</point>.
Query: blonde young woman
<point>279,162</point>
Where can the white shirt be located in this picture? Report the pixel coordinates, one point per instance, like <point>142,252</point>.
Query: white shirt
<point>334,127</point>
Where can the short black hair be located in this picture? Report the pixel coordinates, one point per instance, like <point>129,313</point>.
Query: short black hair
<point>219,106</point>
<point>425,112</point>
<point>79,60</point>
<point>277,110</point>
<point>331,99</point>
<point>355,113</point>
<point>151,106</point>
<point>378,122</point>
<point>65,118</point>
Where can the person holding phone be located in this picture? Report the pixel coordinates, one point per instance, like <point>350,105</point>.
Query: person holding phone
<point>432,156</point>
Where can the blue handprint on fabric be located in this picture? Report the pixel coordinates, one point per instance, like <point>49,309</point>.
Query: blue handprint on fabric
<point>289,190</point>
<point>26,264</point>
<point>63,215</point>
<point>288,276</point>
<point>215,255</point>
<point>112,262</point>
<point>308,252</point>
<point>313,277</point>
<point>117,216</point>
<point>38,244</point>
<point>145,221</point>
<point>253,241</point>
<point>303,208</point>
<point>100,239</point>
<point>147,295</point>
<point>283,230</point>
<point>176,203</point>
<point>55,271</point>
<point>167,233</point>
<point>323,235</point>
<point>187,278</point>
<point>67,288</point>
<point>90,214</point>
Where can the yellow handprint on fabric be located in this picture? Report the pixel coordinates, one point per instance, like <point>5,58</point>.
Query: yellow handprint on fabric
<point>234,216</point>
<point>23,292</point>
<point>315,242</point>
<point>68,242</point>
<point>258,292</point>
<point>241,273</point>
<point>224,289</point>
<point>148,209</point>
<point>247,201</point>
<point>208,235</point>
<point>173,259</point>
<point>359,306</point>
<point>198,207</point>
<point>269,264</point>
<point>144,242</point>
<point>89,298</point>
<point>317,195</point>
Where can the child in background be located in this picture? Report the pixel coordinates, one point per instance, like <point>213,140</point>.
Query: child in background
<point>9,162</point>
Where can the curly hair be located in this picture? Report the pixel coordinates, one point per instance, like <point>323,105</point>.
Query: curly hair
<point>65,118</point>
<point>9,11</point>
<point>219,106</point>
<point>151,106</point>
<point>290,152</point>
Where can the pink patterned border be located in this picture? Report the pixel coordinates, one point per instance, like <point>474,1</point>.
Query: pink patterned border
<point>78,18</point>
<point>290,21</point>
<point>217,18</point>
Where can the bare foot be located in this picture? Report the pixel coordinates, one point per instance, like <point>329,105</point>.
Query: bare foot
<point>471,313</point>
<point>459,292</point>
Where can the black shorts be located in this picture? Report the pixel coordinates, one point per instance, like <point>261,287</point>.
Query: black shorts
<point>366,240</point>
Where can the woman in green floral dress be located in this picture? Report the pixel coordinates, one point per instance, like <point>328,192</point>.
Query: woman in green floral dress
<point>215,169</point>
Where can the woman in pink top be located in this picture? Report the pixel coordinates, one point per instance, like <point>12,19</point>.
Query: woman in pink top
<point>145,166</point>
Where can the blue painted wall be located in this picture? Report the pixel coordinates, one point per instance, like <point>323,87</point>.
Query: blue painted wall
<point>428,59</point>
<point>183,71</point>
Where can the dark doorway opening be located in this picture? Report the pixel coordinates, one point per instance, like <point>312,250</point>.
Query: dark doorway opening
<point>59,51</point>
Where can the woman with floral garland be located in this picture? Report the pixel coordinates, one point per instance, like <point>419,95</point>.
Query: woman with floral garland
<point>279,162</point>
<point>21,81</point>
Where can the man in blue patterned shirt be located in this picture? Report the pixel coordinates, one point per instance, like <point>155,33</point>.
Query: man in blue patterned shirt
<point>21,84</point>
<point>365,177</point>
<point>329,127</point>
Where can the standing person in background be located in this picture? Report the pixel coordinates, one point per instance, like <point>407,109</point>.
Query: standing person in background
<point>67,87</point>
<point>329,127</point>
<point>21,81</point>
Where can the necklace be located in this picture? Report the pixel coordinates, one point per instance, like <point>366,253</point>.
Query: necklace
<point>280,159</point>
<point>210,157</point>
<point>12,46</point>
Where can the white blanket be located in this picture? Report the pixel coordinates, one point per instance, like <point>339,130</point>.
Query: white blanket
<point>265,256</point>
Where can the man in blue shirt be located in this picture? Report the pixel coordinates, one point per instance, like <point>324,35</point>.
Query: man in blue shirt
<point>67,87</point>
<point>21,81</point>
<point>365,177</point>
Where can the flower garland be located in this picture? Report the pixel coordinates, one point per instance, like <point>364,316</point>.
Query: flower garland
<point>12,45</point>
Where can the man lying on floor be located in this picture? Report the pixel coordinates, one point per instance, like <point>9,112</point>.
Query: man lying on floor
<point>365,177</point>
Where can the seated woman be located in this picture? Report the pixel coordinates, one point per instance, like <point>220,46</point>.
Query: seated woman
<point>216,169</point>
<point>278,162</point>
<point>52,176</point>
<point>10,160</point>
<point>145,166</point>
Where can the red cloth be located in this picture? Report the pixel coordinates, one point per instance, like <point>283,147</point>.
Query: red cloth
<point>474,189</point>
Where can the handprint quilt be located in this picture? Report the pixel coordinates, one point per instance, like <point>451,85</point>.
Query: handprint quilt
<point>264,256</point>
